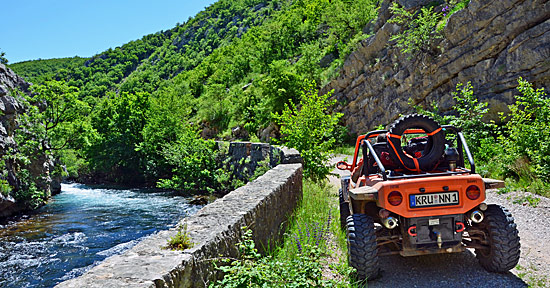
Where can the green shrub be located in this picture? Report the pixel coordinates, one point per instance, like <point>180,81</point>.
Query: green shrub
<point>309,127</point>
<point>28,193</point>
<point>181,240</point>
<point>194,163</point>
<point>253,270</point>
<point>5,188</point>
<point>479,134</point>
<point>526,138</point>
<point>421,30</point>
<point>468,116</point>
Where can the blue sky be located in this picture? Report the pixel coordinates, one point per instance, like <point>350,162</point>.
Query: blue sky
<point>33,29</point>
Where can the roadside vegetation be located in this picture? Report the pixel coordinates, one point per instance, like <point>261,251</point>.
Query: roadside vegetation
<point>306,258</point>
<point>516,151</point>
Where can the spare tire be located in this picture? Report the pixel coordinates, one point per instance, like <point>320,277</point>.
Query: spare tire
<point>434,148</point>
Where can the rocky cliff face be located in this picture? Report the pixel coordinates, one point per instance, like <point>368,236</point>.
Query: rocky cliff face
<point>9,109</point>
<point>490,43</point>
<point>41,165</point>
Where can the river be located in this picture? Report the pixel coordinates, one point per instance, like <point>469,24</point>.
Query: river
<point>79,228</point>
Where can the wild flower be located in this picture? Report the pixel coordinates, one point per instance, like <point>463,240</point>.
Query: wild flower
<point>298,244</point>
<point>445,10</point>
<point>311,234</point>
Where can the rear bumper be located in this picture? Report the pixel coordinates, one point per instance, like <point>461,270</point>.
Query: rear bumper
<point>432,235</point>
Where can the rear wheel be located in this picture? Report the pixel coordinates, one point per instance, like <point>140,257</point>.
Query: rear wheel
<point>362,249</point>
<point>501,235</point>
<point>344,209</point>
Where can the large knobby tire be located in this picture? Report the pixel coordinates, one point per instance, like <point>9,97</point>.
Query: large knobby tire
<point>362,249</point>
<point>502,235</point>
<point>344,209</point>
<point>434,149</point>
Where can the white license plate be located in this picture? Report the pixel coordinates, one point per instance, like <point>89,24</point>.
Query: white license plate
<point>433,199</point>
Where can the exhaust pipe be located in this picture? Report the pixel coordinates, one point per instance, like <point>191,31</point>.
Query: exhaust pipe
<point>389,222</point>
<point>476,216</point>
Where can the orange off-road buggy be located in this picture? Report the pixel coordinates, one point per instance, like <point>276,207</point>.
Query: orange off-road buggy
<point>417,196</point>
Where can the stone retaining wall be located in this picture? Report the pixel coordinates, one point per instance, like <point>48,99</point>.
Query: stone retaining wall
<point>263,205</point>
<point>246,157</point>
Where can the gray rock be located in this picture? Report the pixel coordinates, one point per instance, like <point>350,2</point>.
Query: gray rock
<point>10,105</point>
<point>41,165</point>
<point>8,206</point>
<point>327,60</point>
<point>414,4</point>
<point>245,158</point>
<point>284,155</point>
<point>490,43</point>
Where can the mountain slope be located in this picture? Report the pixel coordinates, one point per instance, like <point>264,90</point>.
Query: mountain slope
<point>227,69</point>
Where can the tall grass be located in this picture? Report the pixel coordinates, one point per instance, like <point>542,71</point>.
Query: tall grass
<point>319,208</point>
<point>305,258</point>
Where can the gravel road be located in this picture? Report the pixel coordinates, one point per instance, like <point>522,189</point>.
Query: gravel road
<point>462,269</point>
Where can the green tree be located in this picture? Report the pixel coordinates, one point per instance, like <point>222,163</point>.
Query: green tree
<point>3,59</point>
<point>165,123</point>
<point>60,113</point>
<point>119,124</point>
<point>526,138</point>
<point>308,127</point>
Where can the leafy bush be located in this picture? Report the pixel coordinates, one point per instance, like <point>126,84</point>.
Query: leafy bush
<point>479,134</point>
<point>423,28</point>
<point>421,31</point>
<point>5,188</point>
<point>468,116</point>
<point>526,133</point>
<point>194,163</point>
<point>29,193</point>
<point>253,270</point>
<point>308,127</point>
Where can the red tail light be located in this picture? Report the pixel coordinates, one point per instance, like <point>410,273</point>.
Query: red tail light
<point>473,192</point>
<point>395,198</point>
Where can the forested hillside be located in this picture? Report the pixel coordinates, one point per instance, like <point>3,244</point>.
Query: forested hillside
<point>140,113</point>
<point>131,113</point>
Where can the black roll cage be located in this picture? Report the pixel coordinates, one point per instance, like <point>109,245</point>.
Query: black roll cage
<point>462,148</point>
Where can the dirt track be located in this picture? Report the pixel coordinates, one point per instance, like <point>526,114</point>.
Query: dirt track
<point>462,269</point>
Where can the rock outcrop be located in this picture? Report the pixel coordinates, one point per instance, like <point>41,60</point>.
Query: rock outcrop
<point>41,164</point>
<point>490,43</point>
<point>9,109</point>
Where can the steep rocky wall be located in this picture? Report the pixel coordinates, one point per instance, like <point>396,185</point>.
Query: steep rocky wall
<point>263,205</point>
<point>10,108</point>
<point>41,164</point>
<point>490,43</point>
